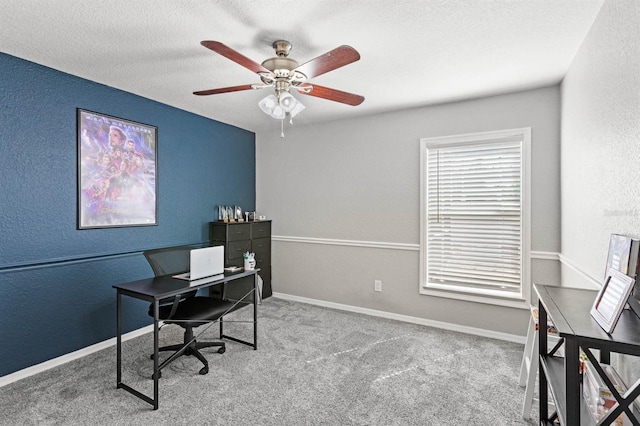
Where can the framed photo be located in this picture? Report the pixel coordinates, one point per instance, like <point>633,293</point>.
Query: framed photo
<point>611,299</point>
<point>117,172</point>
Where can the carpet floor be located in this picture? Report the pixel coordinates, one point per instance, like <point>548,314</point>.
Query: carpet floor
<point>313,366</point>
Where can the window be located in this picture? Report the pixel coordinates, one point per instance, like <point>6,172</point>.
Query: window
<point>475,217</point>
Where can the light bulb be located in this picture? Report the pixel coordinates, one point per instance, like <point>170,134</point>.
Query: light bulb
<point>287,101</point>
<point>270,106</point>
<point>278,112</point>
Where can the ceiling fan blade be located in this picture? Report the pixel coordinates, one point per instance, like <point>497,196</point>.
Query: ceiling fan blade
<point>235,56</point>
<point>336,58</point>
<point>226,89</point>
<point>331,94</point>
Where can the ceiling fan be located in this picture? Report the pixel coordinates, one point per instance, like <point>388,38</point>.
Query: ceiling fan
<point>284,73</point>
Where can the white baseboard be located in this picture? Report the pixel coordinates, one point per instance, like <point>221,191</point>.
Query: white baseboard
<point>30,371</point>
<point>415,320</point>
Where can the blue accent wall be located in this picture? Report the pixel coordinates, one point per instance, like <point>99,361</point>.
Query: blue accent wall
<point>56,281</point>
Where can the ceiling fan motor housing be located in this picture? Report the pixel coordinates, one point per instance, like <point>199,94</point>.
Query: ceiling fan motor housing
<point>282,68</point>
<point>280,64</point>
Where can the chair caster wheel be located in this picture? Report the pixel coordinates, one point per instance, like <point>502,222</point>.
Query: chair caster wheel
<point>204,370</point>
<point>151,357</point>
<point>153,376</point>
<point>222,350</point>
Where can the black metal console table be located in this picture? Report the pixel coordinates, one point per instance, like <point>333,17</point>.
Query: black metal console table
<point>569,309</point>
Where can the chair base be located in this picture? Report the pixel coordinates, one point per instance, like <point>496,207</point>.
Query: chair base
<point>193,349</point>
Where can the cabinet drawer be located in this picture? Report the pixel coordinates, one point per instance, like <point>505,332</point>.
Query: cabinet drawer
<point>240,289</point>
<point>235,249</point>
<point>220,231</point>
<point>260,230</point>
<point>240,231</point>
<point>263,264</point>
<point>262,248</point>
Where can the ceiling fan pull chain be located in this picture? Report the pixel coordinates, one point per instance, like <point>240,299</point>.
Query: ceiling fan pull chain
<point>282,128</point>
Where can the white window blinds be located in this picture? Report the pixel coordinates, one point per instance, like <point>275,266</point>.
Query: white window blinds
<point>474,215</point>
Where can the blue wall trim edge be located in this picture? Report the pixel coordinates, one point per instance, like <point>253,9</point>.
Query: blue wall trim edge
<point>82,259</point>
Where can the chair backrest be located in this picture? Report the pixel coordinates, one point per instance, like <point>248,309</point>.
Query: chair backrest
<point>169,260</point>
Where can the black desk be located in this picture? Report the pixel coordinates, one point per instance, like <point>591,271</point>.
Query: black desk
<point>155,289</point>
<point>569,310</point>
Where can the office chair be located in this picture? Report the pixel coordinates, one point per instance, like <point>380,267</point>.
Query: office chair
<point>188,306</point>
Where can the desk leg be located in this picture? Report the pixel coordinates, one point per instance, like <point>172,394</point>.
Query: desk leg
<point>572,378</point>
<point>118,340</point>
<point>255,312</point>
<point>156,372</point>
<point>124,386</point>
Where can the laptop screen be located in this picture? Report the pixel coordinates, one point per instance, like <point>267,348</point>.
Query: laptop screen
<point>206,262</point>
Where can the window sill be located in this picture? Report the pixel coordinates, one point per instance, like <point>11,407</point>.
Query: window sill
<point>511,302</point>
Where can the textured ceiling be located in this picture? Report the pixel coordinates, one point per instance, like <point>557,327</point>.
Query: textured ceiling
<point>413,52</point>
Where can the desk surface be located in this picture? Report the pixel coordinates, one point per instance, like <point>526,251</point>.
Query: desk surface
<point>570,310</point>
<point>165,286</point>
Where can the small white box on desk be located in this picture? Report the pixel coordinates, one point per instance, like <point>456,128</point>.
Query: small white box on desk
<point>597,395</point>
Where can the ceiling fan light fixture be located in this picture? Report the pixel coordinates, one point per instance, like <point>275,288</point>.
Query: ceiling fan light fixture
<point>278,113</point>
<point>287,101</point>
<point>297,109</point>
<point>271,107</point>
<point>279,107</point>
<point>268,104</point>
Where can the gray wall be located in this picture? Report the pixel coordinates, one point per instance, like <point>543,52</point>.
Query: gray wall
<point>601,143</point>
<point>356,182</point>
<point>601,149</point>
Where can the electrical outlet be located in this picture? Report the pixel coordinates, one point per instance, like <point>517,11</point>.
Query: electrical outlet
<point>377,285</point>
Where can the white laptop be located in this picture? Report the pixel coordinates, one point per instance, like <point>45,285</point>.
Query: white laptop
<point>205,262</point>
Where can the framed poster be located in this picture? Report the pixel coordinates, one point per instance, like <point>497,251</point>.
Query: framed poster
<point>117,172</point>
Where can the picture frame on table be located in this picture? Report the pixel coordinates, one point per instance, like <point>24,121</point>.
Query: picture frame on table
<point>611,299</point>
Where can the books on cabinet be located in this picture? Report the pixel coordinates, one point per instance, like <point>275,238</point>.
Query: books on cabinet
<point>623,254</point>
<point>619,281</point>
<point>598,396</point>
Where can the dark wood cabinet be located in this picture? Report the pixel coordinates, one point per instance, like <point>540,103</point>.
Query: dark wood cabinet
<point>241,237</point>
